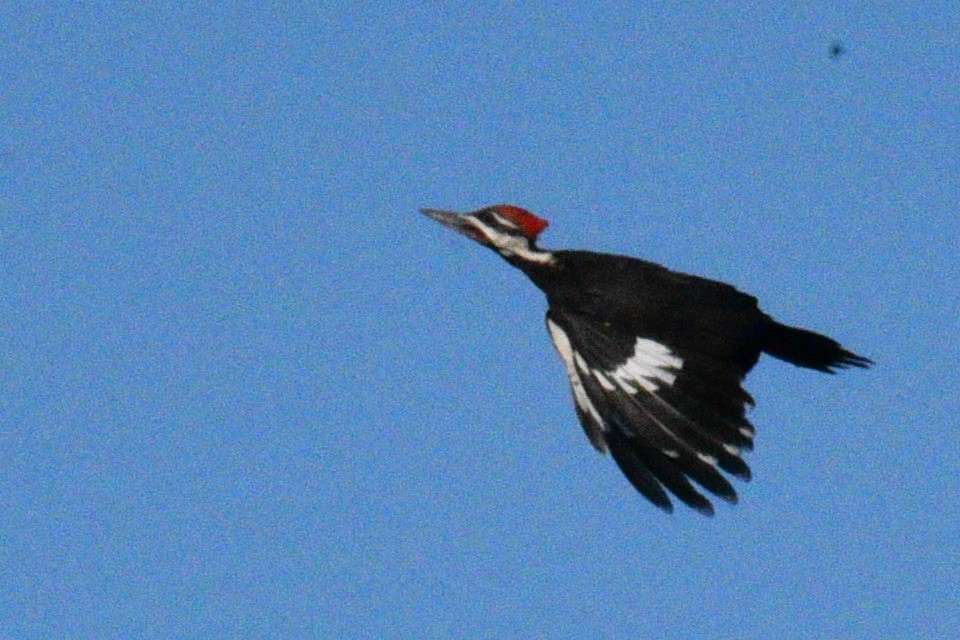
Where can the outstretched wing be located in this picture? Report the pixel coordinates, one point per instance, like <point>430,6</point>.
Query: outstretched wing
<point>669,417</point>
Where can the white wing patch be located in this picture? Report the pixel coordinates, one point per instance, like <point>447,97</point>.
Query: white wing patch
<point>602,379</point>
<point>651,364</point>
<point>572,360</point>
<point>711,460</point>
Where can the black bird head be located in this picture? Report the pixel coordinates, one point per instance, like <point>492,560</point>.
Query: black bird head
<point>510,231</point>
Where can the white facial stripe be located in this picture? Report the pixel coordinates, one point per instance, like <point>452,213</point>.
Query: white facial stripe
<point>569,357</point>
<point>498,239</point>
<point>650,364</point>
<point>503,221</point>
<point>511,244</point>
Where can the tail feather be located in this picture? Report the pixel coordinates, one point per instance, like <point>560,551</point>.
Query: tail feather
<point>807,349</point>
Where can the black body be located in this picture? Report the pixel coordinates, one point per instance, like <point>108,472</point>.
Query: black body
<point>684,312</point>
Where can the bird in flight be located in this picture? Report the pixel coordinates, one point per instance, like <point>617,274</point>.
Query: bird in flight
<point>655,358</point>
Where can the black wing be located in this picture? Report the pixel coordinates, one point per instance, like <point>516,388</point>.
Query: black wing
<point>667,416</point>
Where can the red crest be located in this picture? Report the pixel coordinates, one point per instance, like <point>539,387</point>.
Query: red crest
<point>529,224</point>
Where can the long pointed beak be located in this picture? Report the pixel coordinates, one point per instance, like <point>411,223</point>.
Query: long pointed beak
<point>453,220</point>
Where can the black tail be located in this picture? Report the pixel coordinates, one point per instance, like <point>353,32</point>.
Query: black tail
<point>807,349</point>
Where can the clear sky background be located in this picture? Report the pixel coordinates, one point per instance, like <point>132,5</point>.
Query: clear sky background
<point>247,390</point>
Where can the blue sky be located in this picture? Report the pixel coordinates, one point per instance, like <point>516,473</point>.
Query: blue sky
<point>249,391</point>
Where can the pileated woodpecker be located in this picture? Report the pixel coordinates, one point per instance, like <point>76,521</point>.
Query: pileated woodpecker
<point>655,358</point>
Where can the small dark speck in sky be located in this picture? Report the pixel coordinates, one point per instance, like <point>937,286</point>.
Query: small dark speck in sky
<point>836,50</point>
